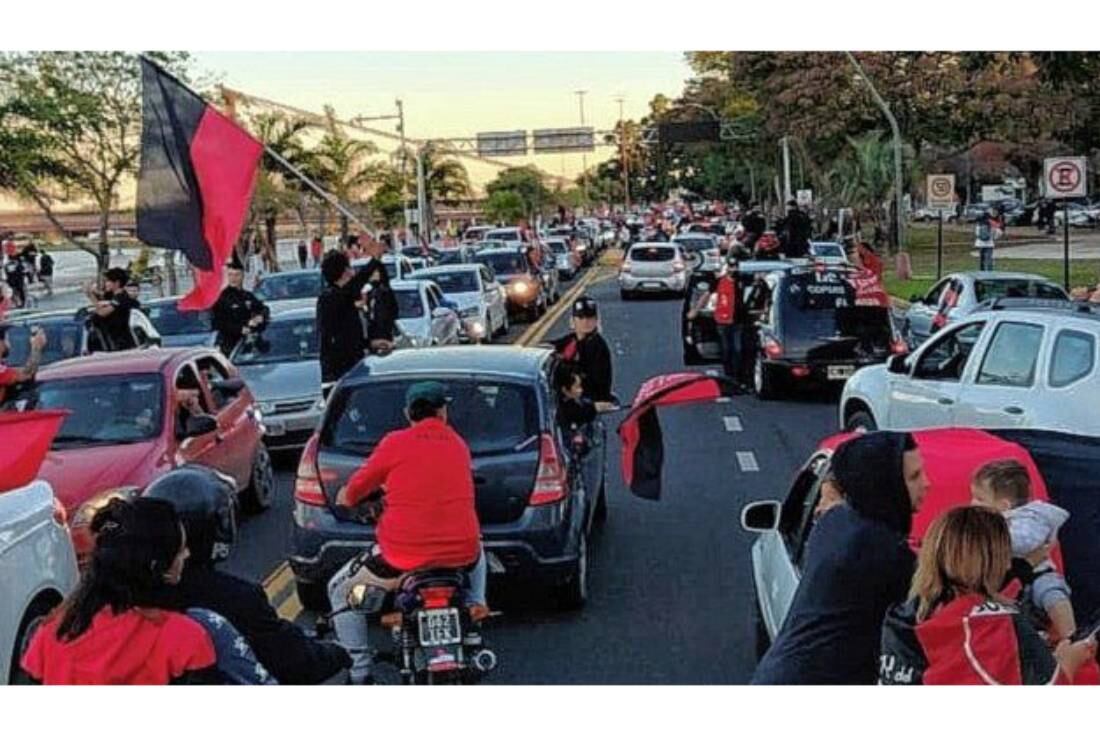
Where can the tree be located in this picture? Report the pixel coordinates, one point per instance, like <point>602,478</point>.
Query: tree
<point>342,167</point>
<point>74,119</point>
<point>388,200</point>
<point>527,183</point>
<point>506,206</point>
<point>277,190</point>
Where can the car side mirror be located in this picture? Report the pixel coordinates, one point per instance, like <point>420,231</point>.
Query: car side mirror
<point>761,516</point>
<point>897,364</point>
<point>199,426</point>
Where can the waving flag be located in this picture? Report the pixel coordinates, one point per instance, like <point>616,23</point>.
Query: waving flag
<point>198,169</point>
<point>24,440</point>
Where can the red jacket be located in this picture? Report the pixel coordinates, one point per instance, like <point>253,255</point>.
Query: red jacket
<point>429,518</point>
<point>725,309</point>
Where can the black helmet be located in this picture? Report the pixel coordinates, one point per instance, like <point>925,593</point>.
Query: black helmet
<point>206,502</point>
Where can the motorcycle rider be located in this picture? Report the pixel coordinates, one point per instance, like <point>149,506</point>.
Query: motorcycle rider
<point>425,476</point>
<point>204,502</point>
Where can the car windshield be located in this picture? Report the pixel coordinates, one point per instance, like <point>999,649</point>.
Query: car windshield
<point>282,341</point>
<point>1019,287</point>
<point>828,250</point>
<point>456,282</point>
<point>281,287</point>
<point>112,409</point>
<point>696,244</point>
<point>409,303</point>
<point>652,254</point>
<point>493,417</point>
<point>63,340</point>
<point>557,246</point>
<point>170,321</point>
<point>505,235</point>
<point>503,263</point>
<point>450,257</point>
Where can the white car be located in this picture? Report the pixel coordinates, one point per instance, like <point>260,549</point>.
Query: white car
<point>424,315</point>
<point>1013,363</point>
<point>701,249</point>
<point>653,267</point>
<point>480,300</point>
<point>510,235</point>
<point>830,253</point>
<point>37,568</point>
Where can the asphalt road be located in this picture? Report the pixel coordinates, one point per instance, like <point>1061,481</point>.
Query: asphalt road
<point>671,594</point>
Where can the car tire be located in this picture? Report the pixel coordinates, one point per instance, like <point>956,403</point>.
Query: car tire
<point>574,594</point>
<point>260,493</point>
<point>34,616</point>
<point>861,421</point>
<point>313,596</point>
<point>763,380</point>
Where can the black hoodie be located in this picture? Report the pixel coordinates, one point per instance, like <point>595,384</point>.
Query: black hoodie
<point>857,564</point>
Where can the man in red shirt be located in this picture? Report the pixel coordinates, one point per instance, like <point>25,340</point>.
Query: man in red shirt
<point>10,376</point>
<point>424,475</point>
<point>726,312</point>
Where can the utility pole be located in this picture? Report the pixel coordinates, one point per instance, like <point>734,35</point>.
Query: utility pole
<point>422,199</point>
<point>786,172</point>
<point>899,194</point>
<point>622,154</point>
<point>404,187</point>
<point>584,156</point>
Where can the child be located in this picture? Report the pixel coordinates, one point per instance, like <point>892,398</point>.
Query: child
<point>1004,486</point>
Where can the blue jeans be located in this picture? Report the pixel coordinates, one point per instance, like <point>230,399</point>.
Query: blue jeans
<point>729,336</point>
<point>985,259</point>
<point>236,660</point>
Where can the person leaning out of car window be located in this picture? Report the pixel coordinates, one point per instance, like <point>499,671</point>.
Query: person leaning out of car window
<point>12,376</point>
<point>857,564</point>
<point>111,309</point>
<point>956,628</point>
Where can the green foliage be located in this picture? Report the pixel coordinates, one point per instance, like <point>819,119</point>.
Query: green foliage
<point>506,206</point>
<point>527,184</point>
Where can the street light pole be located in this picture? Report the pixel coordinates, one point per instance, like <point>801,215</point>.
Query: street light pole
<point>898,193</point>
<point>584,156</point>
<point>404,186</point>
<point>622,154</point>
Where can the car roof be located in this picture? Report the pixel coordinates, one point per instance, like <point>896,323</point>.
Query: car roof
<point>1000,276</point>
<point>127,362</point>
<point>409,285</point>
<point>523,362</point>
<point>40,316</point>
<point>652,245</point>
<point>505,229</point>
<point>511,249</point>
<point>297,312</point>
<point>1053,308</point>
<point>452,268</point>
<point>288,274</point>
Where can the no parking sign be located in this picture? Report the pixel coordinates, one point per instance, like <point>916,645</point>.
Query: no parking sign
<point>1065,178</point>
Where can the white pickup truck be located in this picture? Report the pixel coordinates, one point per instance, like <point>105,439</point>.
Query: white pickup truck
<point>37,568</point>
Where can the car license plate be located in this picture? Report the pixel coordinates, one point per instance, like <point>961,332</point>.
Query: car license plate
<point>439,627</point>
<point>840,372</point>
<point>653,285</point>
<point>274,428</point>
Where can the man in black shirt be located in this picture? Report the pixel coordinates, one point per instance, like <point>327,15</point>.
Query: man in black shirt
<point>15,274</point>
<point>237,313</point>
<point>796,231</point>
<point>45,271</point>
<point>111,310</point>
<point>587,347</point>
<point>339,327</point>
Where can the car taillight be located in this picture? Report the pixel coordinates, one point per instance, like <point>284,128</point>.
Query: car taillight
<point>307,482</point>
<point>437,597</point>
<point>899,347</point>
<point>60,515</point>
<point>800,371</point>
<point>772,348</point>
<point>625,267</point>
<point>678,267</point>
<point>550,479</point>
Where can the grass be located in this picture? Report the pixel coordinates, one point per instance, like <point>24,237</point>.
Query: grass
<point>957,246</point>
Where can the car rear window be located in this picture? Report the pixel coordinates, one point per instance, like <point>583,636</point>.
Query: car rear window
<point>652,254</point>
<point>492,416</point>
<point>1016,288</point>
<point>282,341</point>
<point>823,305</point>
<point>503,263</point>
<point>696,244</point>
<point>294,286</point>
<point>170,321</point>
<point>506,235</point>
<point>457,282</point>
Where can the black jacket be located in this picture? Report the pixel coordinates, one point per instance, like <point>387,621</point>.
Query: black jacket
<point>754,223</point>
<point>382,319</point>
<point>856,565</point>
<point>594,358</point>
<point>282,647</point>
<point>116,327</point>
<point>232,312</point>
<point>339,328</point>
<point>795,233</point>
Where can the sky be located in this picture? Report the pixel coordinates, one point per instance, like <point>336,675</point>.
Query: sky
<point>458,94</point>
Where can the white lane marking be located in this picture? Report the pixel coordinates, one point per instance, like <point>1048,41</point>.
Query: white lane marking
<point>747,461</point>
<point>733,423</point>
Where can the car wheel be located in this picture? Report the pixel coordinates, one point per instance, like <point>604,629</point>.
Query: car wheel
<point>574,593</point>
<point>763,380</point>
<point>313,596</point>
<point>861,421</point>
<point>31,620</point>
<point>260,493</point>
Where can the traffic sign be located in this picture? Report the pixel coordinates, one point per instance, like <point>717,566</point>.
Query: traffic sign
<point>564,140</point>
<point>1065,178</point>
<point>510,143</point>
<point>941,191</point>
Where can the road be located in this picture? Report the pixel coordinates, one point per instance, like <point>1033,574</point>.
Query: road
<point>671,595</point>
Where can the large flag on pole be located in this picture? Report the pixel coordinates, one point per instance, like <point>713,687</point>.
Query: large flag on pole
<point>24,440</point>
<point>198,169</point>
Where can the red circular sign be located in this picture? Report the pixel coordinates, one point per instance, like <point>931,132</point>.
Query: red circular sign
<point>1064,177</point>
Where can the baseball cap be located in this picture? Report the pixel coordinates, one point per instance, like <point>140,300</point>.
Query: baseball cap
<point>585,307</point>
<point>428,391</point>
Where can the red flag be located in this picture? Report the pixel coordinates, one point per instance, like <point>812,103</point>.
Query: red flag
<point>24,440</point>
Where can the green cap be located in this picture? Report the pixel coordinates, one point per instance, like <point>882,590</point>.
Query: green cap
<point>429,391</point>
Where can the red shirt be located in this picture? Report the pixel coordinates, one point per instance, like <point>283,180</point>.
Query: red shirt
<point>146,647</point>
<point>726,307</point>
<point>430,519</point>
<point>8,376</point>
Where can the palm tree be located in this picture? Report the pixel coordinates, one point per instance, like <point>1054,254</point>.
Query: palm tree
<point>276,189</point>
<point>445,178</point>
<point>340,165</point>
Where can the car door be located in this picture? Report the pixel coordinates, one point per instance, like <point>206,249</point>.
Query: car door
<point>237,435</point>
<point>1000,393</point>
<point>442,326</point>
<point>202,450</point>
<point>921,313</point>
<point>928,394</point>
<point>494,297</point>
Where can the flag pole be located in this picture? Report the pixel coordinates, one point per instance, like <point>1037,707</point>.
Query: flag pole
<point>310,183</point>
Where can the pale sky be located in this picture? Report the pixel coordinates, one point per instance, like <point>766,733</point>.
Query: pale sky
<point>457,94</point>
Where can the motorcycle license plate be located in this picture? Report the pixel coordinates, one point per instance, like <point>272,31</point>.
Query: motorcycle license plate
<point>840,372</point>
<point>439,627</point>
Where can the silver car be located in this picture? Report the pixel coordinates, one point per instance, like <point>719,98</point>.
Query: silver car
<point>563,257</point>
<point>701,249</point>
<point>965,291</point>
<point>283,370</point>
<point>479,299</point>
<point>425,315</point>
<point>653,267</point>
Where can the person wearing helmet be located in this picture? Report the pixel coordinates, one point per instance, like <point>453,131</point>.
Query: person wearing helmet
<point>587,347</point>
<point>205,502</point>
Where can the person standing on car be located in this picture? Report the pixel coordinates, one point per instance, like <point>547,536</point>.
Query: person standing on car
<point>754,224</point>
<point>111,309</point>
<point>339,329</point>
<point>204,501</point>
<point>587,347</point>
<point>857,564</point>
<point>15,273</point>
<point>796,231</point>
<point>237,313</point>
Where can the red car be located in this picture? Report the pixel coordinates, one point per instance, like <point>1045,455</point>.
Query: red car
<point>136,415</point>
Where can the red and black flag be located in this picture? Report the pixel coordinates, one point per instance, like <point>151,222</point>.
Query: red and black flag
<point>198,169</point>
<point>643,451</point>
